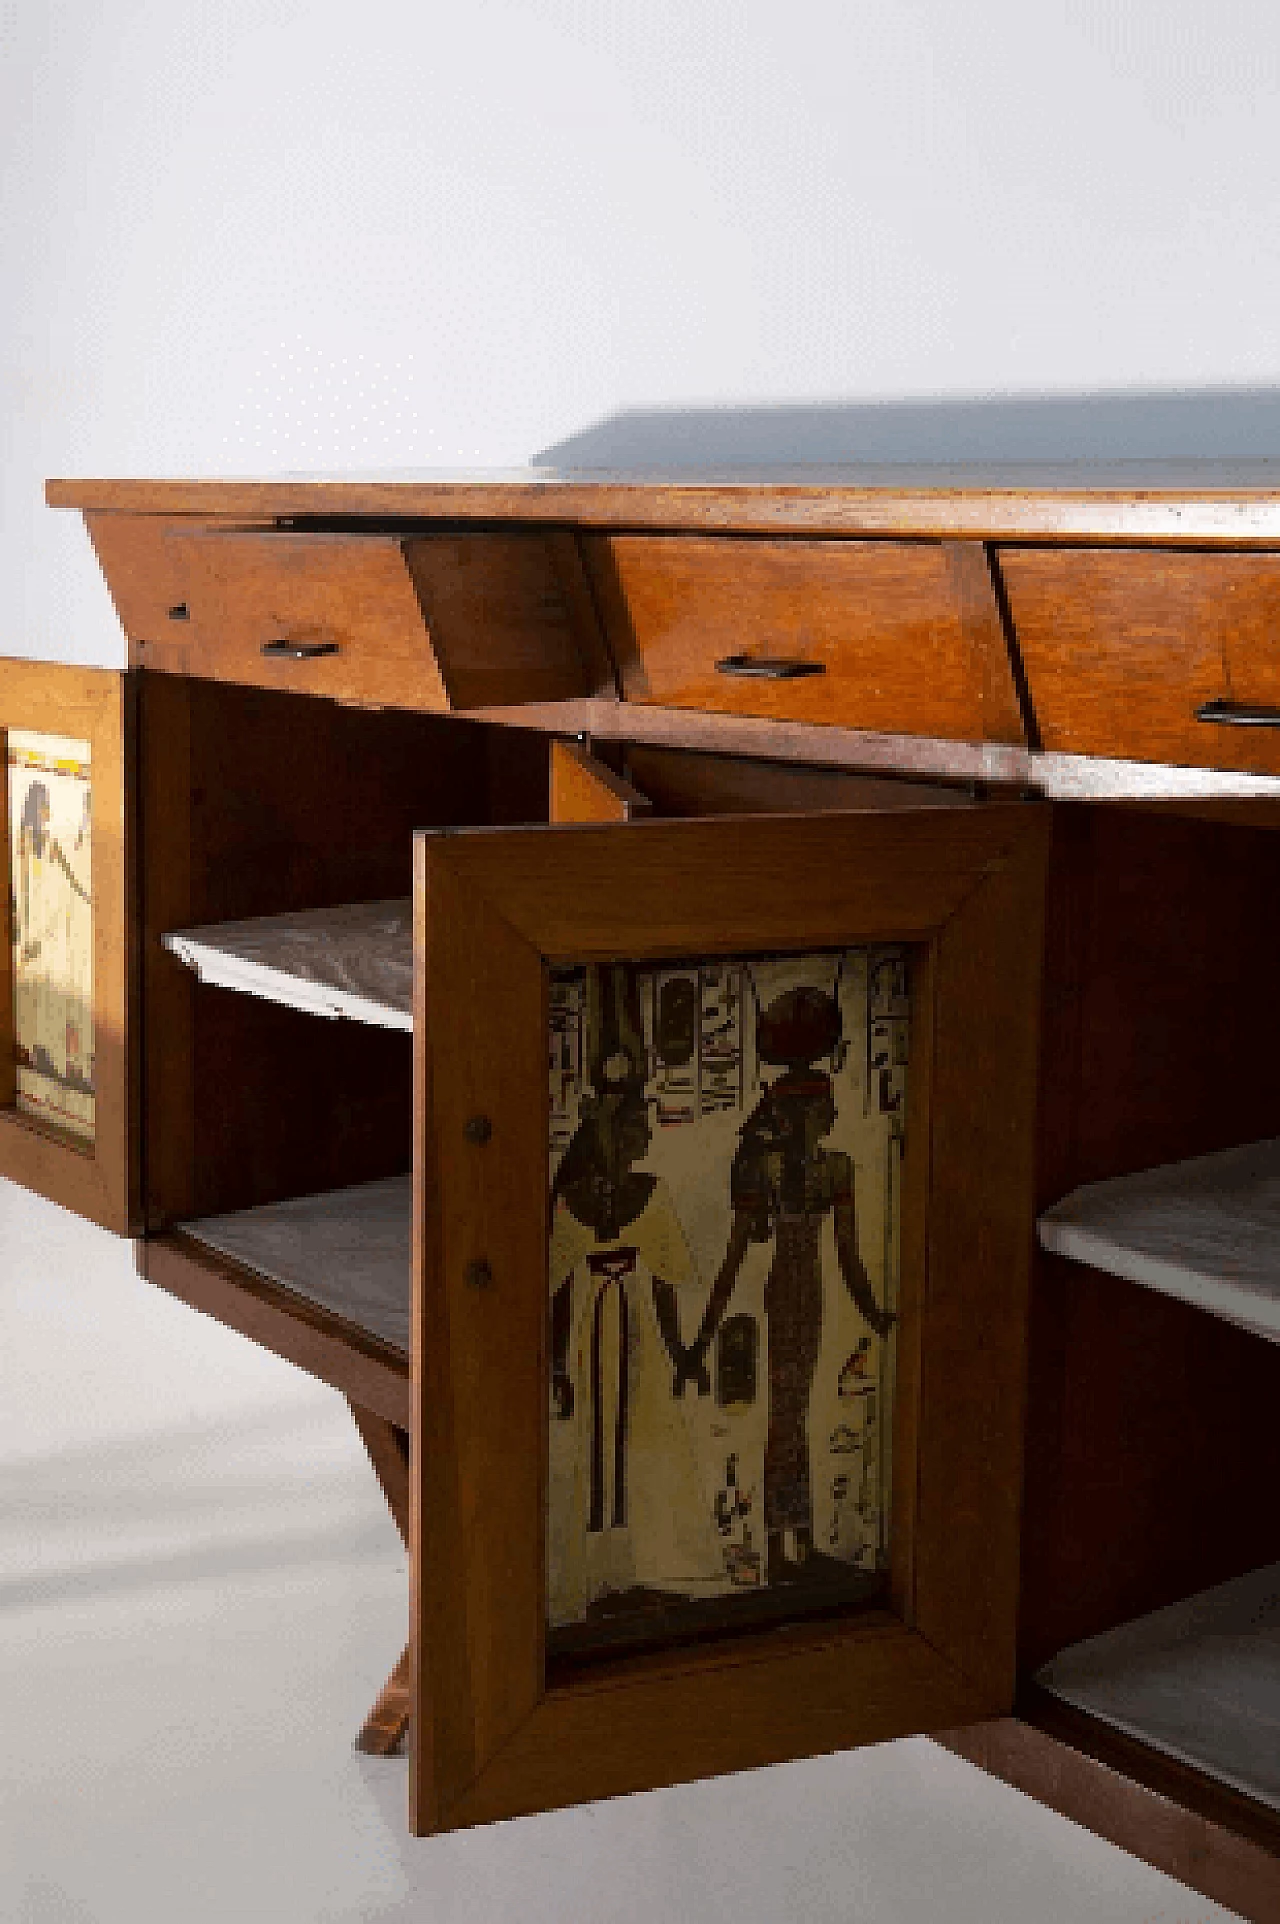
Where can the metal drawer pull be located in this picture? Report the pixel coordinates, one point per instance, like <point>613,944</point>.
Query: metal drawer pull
<point>767,668</point>
<point>179,612</point>
<point>299,650</point>
<point>1238,714</point>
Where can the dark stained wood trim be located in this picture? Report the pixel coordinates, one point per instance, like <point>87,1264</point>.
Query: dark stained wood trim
<point>1184,1785</point>
<point>1117,1796</point>
<point>366,1370</point>
<point>985,1034</point>
<point>1012,647</point>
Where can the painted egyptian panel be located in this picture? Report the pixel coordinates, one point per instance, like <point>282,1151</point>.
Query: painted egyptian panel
<point>726,1143</point>
<point>50,818</point>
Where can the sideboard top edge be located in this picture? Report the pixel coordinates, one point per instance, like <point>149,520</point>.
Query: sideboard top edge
<point>1207,502</point>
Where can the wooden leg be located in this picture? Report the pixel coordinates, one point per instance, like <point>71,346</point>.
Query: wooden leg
<point>388,1450</point>
<point>384,1729</point>
<point>387,1725</point>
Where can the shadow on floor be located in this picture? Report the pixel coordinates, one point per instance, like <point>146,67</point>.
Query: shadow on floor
<point>352,1540</point>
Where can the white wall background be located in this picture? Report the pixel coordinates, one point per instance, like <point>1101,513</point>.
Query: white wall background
<point>261,236</point>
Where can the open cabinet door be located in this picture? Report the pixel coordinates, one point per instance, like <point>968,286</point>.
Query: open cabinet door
<point>68,1032</point>
<point>723,1218</point>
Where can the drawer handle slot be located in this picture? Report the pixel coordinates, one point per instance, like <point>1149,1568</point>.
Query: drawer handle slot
<point>299,650</point>
<point>1238,714</point>
<point>768,668</point>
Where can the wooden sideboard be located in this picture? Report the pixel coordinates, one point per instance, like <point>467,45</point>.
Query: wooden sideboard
<point>1016,734</point>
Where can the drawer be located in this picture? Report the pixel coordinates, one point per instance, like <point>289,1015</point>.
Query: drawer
<point>1125,648</point>
<point>424,621</point>
<point>889,636</point>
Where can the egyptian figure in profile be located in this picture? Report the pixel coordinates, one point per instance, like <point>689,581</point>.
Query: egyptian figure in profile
<point>627,1515</point>
<point>784,1185</point>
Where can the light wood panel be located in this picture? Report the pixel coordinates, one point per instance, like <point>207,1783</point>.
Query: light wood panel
<point>428,621</point>
<point>895,636</point>
<point>584,789</point>
<point>101,1181</point>
<point>1122,647</point>
<point>502,625</point>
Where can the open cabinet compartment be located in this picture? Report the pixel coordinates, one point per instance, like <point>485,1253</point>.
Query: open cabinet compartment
<point>1152,1450</point>
<point>280,1146</point>
<point>255,803</point>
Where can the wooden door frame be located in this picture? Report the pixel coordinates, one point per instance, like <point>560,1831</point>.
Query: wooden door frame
<point>100,1181</point>
<point>489,1737</point>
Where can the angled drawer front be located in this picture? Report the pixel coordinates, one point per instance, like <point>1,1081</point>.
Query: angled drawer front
<point>888,636</point>
<point>448,621</point>
<point>1126,649</point>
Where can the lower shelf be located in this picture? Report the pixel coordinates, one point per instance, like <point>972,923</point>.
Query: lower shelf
<point>1198,1681</point>
<point>349,1250</point>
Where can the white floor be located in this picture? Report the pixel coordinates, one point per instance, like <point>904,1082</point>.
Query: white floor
<point>200,1593</point>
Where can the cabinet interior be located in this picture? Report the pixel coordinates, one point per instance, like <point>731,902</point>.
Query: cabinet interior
<point>253,803</point>
<point>256,805</point>
<point>1151,1447</point>
<point>1152,1452</point>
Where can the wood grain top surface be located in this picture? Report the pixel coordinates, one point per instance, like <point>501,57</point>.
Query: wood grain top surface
<point>1196,502</point>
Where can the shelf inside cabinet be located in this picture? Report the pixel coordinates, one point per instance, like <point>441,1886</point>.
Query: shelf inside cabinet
<point>1198,1681</point>
<point>1206,1230</point>
<point>353,961</point>
<point>346,1249</point>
